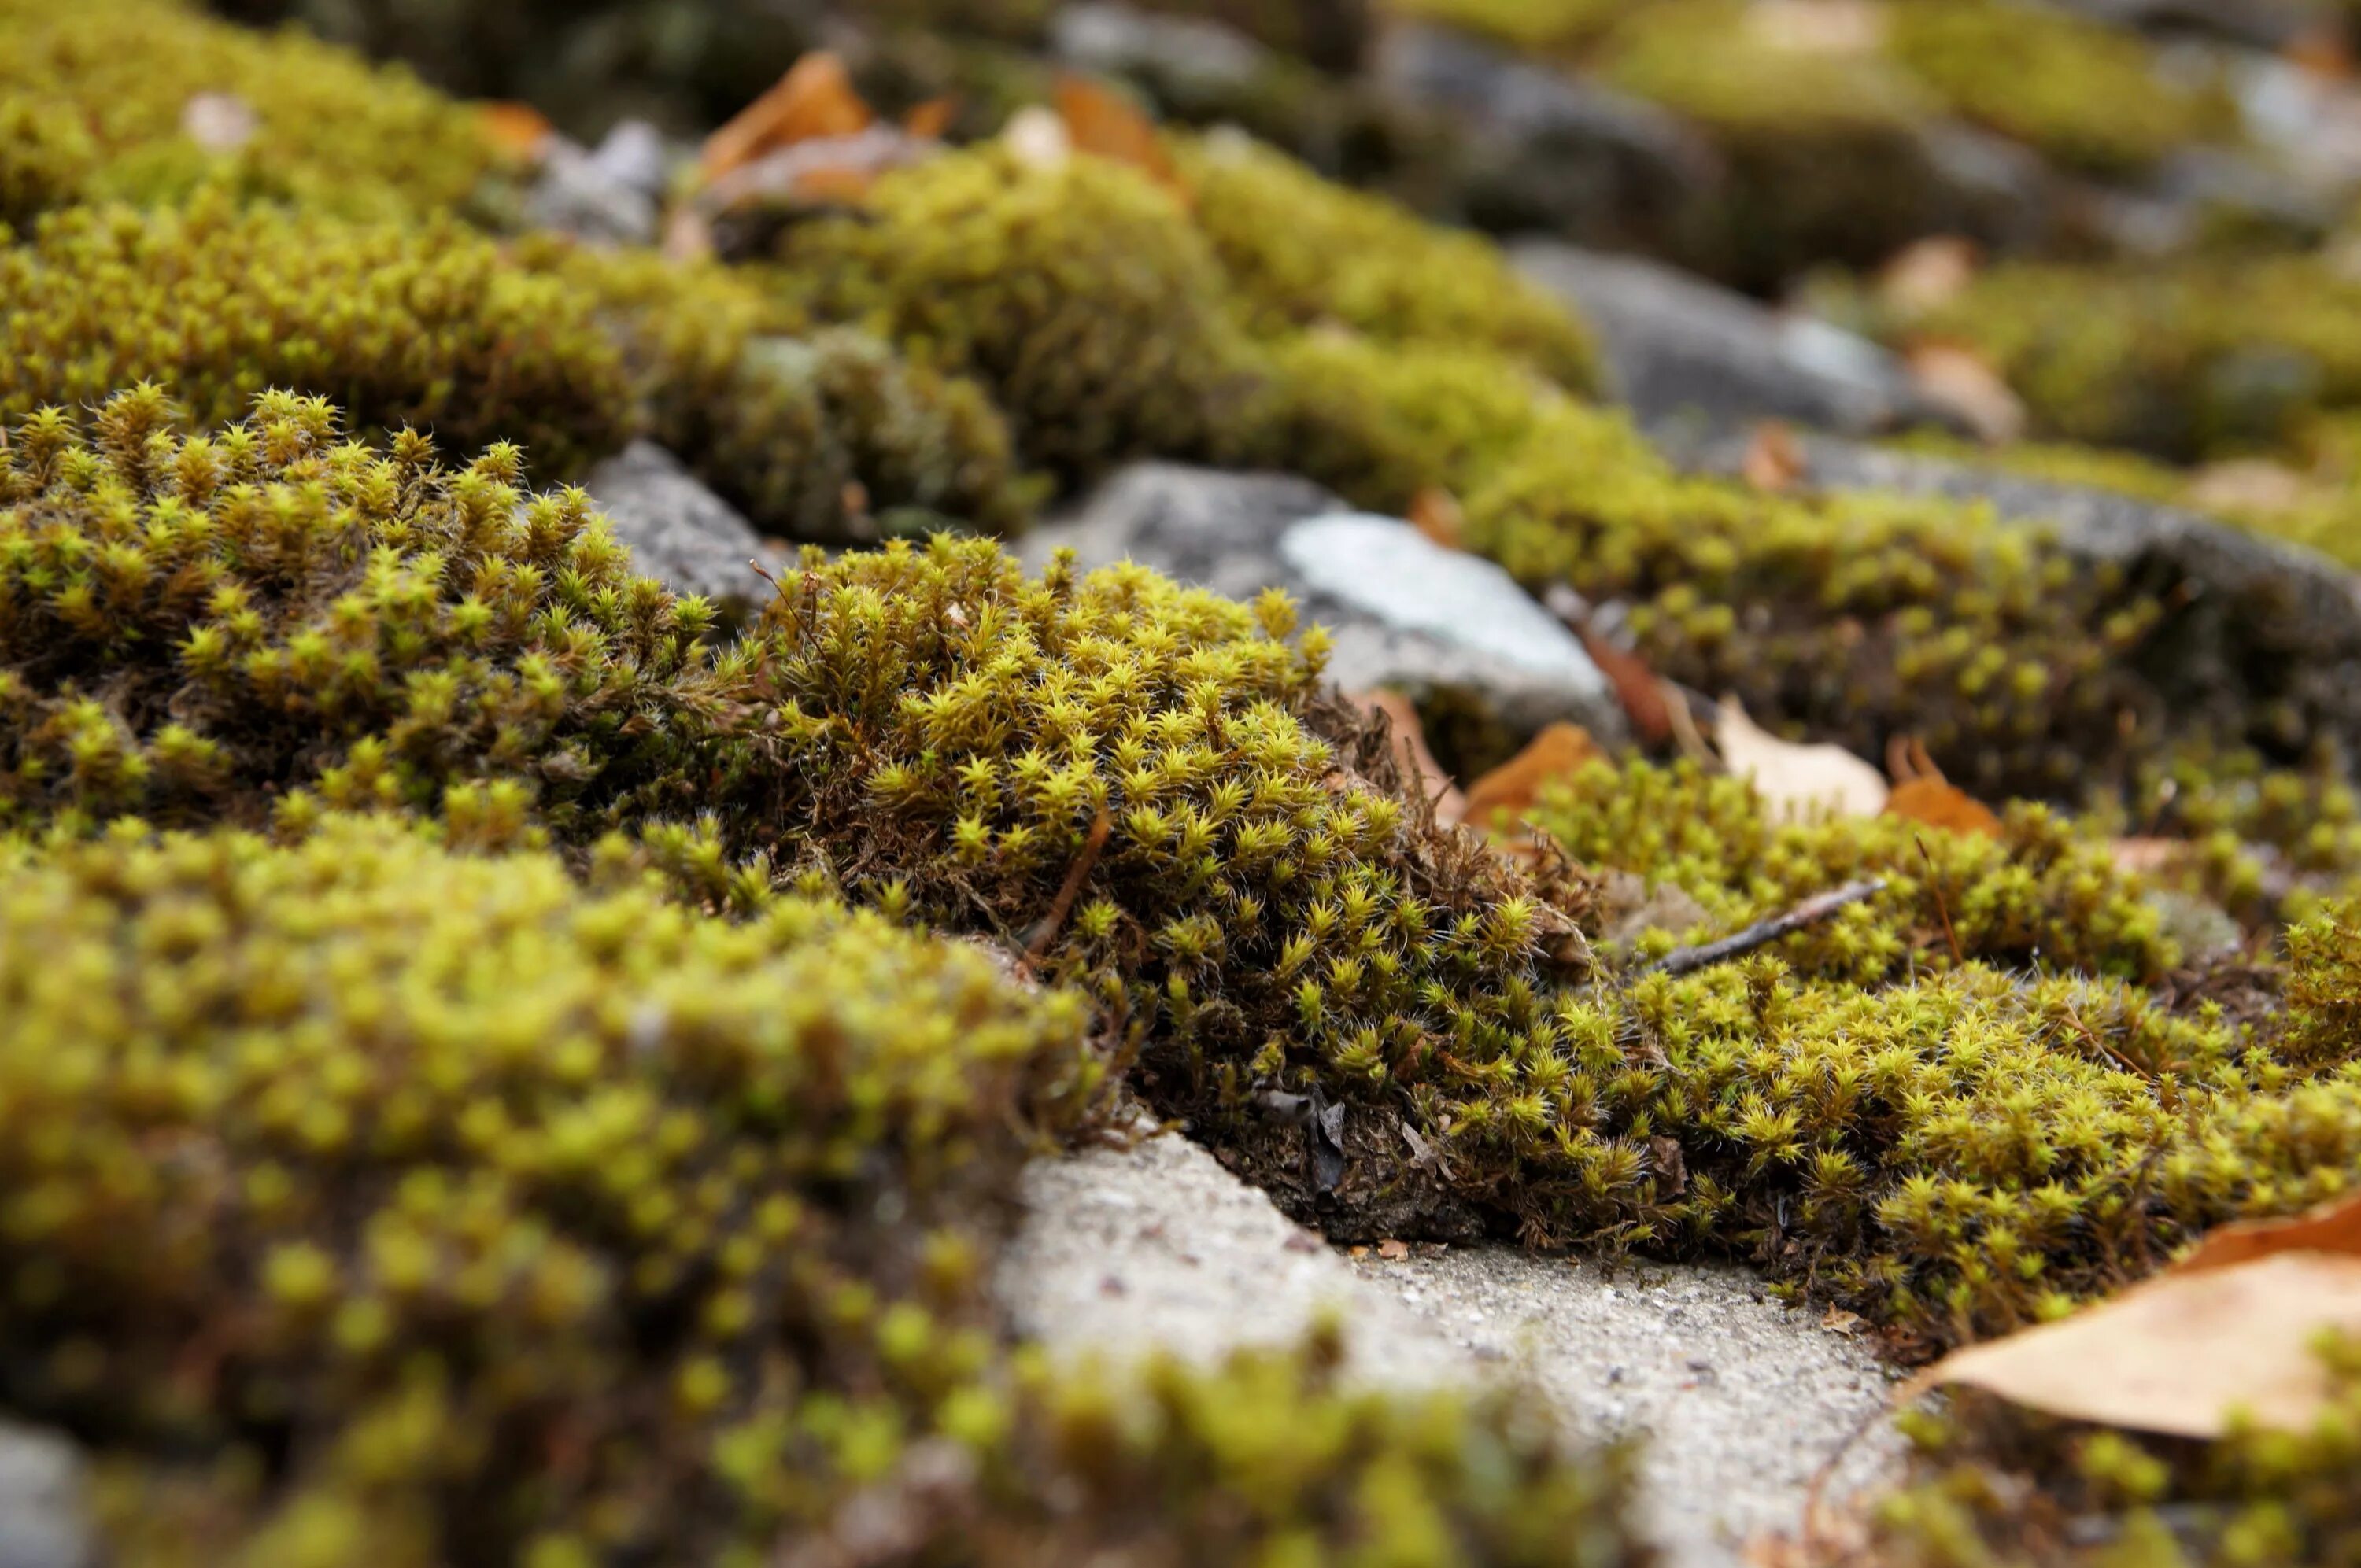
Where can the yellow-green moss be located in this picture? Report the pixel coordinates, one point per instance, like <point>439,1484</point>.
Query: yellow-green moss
<point>425,325</point>
<point>1298,251</point>
<point>46,157</point>
<point>1079,296</point>
<point>331,133</point>
<point>1528,25</point>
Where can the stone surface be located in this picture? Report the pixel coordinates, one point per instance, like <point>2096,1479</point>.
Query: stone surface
<point>1572,157</point>
<point>1190,51</point>
<point>1405,613</point>
<point>41,1520</point>
<point>634,155</point>
<point>1682,351</point>
<point>2259,631</point>
<point>1739,1401</point>
<point>678,531</point>
<point>579,193</point>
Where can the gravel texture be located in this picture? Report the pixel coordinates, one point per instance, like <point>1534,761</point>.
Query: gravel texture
<point>1738,1400</point>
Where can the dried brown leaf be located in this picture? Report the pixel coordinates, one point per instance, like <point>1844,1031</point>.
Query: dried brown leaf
<point>1440,788</point>
<point>515,131</point>
<point>1796,780</point>
<point>813,100</point>
<point>929,120</point>
<point>1928,273</point>
<point>1959,378</point>
<point>1557,753</point>
<point>1393,1251</point>
<point>1434,512</point>
<point>1774,461</point>
<point>1104,123</point>
<point>2332,1227</point>
<point>1940,804</point>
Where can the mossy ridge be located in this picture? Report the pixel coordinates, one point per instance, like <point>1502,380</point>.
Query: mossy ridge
<point>333,133</point>
<point>374,1200</point>
<point>424,325</point>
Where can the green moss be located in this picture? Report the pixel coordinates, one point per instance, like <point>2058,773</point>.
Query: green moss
<point>332,134</point>
<point>426,325</point>
<point>1080,297</point>
<point>2086,94</point>
<point>46,158</point>
<point>820,434</point>
<point>1856,616</point>
<point>1539,26</point>
<point>1298,251</point>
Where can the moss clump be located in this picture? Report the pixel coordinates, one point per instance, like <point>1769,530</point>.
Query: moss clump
<point>1858,617</point>
<point>1298,251</point>
<point>46,155</point>
<point>503,1219</point>
<point>820,434</point>
<point>1079,296</point>
<point>2087,94</point>
<point>2208,357</point>
<point>252,625</point>
<point>1533,26</point>
<point>422,325</point>
<point>331,133</point>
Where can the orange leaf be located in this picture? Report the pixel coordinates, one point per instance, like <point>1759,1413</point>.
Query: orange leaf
<point>1939,804</point>
<point>2332,1227</point>
<point>1434,511</point>
<point>1960,379</point>
<point>1411,736</point>
<point>1774,462</point>
<point>1102,122</point>
<point>929,120</point>
<point>1636,686</point>
<point>515,131</point>
<point>1557,753</point>
<point>813,99</point>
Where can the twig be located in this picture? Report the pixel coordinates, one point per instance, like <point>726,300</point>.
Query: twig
<point>1811,912</point>
<point>1935,885</point>
<point>1045,930</point>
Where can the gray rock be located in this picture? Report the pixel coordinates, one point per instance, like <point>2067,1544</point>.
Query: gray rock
<point>1125,1252</point>
<point>1573,157</point>
<point>574,193</point>
<point>1681,350</point>
<point>678,531</point>
<point>2259,633</point>
<point>1405,613</point>
<point>1119,40</point>
<point>42,1524</point>
<point>634,156</point>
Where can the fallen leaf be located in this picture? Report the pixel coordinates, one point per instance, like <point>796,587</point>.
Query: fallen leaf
<point>1359,1251</point>
<point>1434,512</point>
<point>2332,1227</point>
<point>1792,779</point>
<point>2176,1355</point>
<point>516,130</point>
<point>1557,753</point>
<point>1959,379</point>
<point>1393,1251</point>
<point>2145,856</point>
<point>1837,1320</point>
<point>2321,51</point>
<point>1104,123</point>
<point>224,122</point>
<point>1636,686</point>
<point>929,120</point>
<point>1037,138</point>
<point>1774,462</point>
<point>1450,806</point>
<point>813,100</point>
<point>1664,1154</point>
<point>1817,26</point>
<point>2250,485</point>
<point>1940,804</point>
<point>1928,273</point>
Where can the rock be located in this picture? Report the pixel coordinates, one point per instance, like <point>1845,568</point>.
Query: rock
<point>678,531</point>
<point>1681,350</point>
<point>2259,632</point>
<point>1157,1248</point>
<point>576,194</point>
<point>1406,613</point>
<point>634,156</point>
<point>1554,153</point>
<point>1188,51</point>
<point>2266,24</point>
<point>41,1491</point>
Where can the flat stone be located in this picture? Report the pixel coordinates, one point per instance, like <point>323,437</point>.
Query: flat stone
<point>42,1522</point>
<point>1684,351</point>
<point>1738,1401</point>
<point>634,156</point>
<point>576,193</point>
<point>1118,40</point>
<point>1405,613</point>
<point>679,532</point>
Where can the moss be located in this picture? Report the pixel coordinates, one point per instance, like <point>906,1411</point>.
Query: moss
<point>332,134</point>
<point>256,624</point>
<point>2207,357</point>
<point>1298,251</point>
<point>46,158</point>
<point>2088,95</point>
<point>820,434</point>
<point>1858,617</point>
<point>1530,26</point>
<point>425,325</point>
<point>1080,297</point>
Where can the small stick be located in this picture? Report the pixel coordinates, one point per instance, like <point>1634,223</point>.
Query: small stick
<point>1934,883</point>
<point>1811,912</point>
<point>1045,930</point>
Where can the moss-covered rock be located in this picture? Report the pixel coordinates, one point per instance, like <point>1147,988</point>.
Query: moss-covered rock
<point>330,132</point>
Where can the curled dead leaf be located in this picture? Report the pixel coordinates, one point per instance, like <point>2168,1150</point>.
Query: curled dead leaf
<point>1836,1319</point>
<point>2332,1227</point>
<point>815,99</point>
<point>1774,461</point>
<point>1959,378</point>
<point>1434,512</point>
<point>1393,1251</point>
<point>1450,807</point>
<point>1938,803</point>
<point>1102,122</point>
<point>515,131</point>
<point>1509,790</point>
<point>1796,780</point>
